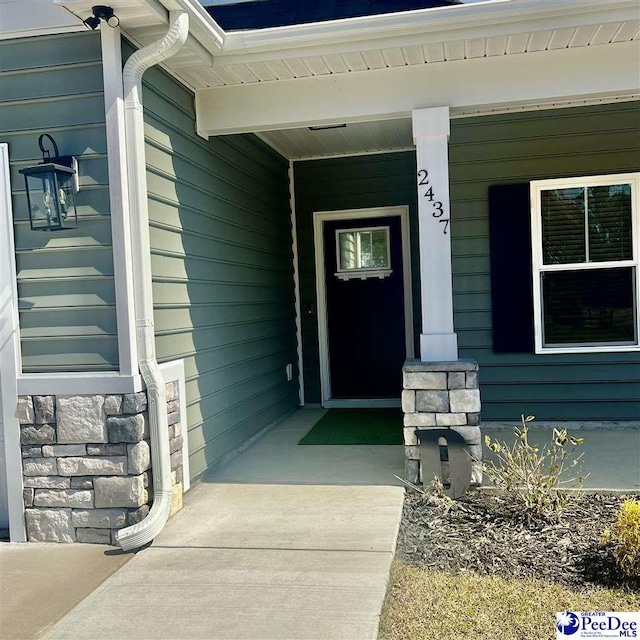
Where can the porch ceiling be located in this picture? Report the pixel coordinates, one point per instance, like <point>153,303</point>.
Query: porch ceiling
<point>355,138</point>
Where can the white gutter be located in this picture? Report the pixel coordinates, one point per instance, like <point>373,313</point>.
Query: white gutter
<point>203,26</point>
<point>154,53</point>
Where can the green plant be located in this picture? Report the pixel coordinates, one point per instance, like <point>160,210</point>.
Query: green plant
<point>537,477</point>
<point>624,538</point>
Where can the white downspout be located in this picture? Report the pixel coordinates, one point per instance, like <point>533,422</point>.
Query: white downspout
<point>143,532</point>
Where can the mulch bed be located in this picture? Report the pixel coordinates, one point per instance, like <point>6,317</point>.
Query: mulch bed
<point>486,533</point>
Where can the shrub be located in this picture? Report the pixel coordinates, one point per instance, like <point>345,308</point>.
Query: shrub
<point>536,477</point>
<point>624,538</point>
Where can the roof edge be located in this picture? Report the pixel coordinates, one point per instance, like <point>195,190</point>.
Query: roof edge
<point>411,22</point>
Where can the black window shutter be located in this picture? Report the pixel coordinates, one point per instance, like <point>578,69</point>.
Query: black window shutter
<point>511,283</point>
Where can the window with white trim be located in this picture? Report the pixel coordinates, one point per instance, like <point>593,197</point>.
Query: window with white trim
<point>585,243</point>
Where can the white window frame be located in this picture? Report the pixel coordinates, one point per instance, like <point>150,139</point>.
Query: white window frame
<point>537,187</point>
<point>362,273</point>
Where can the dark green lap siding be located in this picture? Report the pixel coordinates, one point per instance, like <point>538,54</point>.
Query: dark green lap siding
<point>346,183</point>
<point>519,148</point>
<point>222,272</point>
<point>53,84</point>
<point>483,152</point>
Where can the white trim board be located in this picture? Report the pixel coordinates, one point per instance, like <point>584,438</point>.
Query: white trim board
<point>84,383</point>
<point>319,218</point>
<point>10,356</point>
<point>539,77</point>
<point>296,283</point>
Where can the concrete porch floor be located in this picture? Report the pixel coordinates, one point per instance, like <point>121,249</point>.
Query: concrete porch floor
<point>277,458</point>
<point>611,455</point>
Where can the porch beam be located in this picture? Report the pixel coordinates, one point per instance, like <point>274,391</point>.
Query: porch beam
<point>438,341</point>
<point>581,73</point>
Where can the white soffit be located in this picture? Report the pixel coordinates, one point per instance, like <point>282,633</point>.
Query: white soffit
<point>355,138</point>
<point>214,58</point>
<point>230,70</point>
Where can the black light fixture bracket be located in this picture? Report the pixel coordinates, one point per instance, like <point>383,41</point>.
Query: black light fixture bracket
<point>101,12</point>
<point>56,158</point>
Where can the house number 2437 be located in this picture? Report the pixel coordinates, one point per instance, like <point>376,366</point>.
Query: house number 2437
<point>438,211</point>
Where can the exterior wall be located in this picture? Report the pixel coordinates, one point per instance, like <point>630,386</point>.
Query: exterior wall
<point>485,151</point>
<point>222,269</point>
<point>53,84</point>
<point>347,183</point>
<point>519,148</point>
<point>87,464</point>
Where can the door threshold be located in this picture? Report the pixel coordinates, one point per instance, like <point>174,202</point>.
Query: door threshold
<point>363,403</point>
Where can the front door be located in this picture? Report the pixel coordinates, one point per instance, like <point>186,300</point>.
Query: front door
<point>365,307</point>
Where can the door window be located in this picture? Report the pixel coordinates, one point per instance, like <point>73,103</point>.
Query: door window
<point>363,253</point>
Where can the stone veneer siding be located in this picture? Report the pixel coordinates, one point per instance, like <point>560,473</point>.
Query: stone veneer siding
<point>442,395</point>
<point>87,464</point>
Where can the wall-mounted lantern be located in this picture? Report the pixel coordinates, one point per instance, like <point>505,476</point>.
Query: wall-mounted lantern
<point>51,190</point>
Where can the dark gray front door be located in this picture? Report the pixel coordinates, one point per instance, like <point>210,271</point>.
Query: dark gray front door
<point>365,307</point>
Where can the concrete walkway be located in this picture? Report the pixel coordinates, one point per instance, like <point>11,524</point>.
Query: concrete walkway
<point>288,542</point>
<point>40,583</point>
<point>262,560</point>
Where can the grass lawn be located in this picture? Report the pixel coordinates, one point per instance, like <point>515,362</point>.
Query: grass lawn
<point>436,605</point>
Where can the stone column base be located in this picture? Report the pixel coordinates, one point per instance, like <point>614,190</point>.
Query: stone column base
<point>442,395</point>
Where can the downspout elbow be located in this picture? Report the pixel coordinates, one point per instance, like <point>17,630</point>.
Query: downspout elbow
<point>145,531</point>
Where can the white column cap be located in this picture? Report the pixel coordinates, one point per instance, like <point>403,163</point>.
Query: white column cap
<point>430,122</point>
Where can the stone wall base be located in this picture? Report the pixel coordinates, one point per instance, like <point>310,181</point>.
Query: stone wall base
<point>87,464</point>
<point>442,395</point>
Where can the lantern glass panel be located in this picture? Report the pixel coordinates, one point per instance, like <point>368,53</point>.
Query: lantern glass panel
<point>67,200</point>
<point>51,197</point>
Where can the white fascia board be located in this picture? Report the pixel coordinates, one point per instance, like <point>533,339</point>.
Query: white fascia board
<point>461,18</point>
<point>541,77</point>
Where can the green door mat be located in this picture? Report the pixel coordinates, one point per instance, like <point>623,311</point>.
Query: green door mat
<point>357,426</point>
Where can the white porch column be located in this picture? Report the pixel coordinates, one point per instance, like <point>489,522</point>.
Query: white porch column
<point>438,342</point>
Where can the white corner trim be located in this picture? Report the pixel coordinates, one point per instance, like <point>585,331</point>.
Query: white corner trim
<point>430,122</point>
<point>171,371</point>
<point>319,218</point>
<point>10,356</point>
<point>538,266</point>
<point>296,283</point>
<point>111,42</point>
